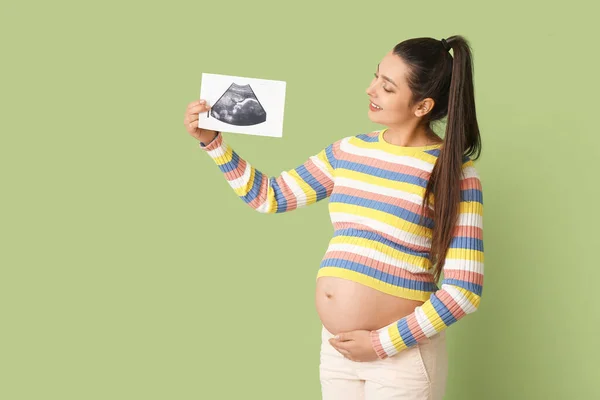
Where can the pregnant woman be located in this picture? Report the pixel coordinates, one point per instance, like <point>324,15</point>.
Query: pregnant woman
<point>406,206</point>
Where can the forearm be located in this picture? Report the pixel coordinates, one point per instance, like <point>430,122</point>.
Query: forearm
<point>444,308</point>
<point>306,184</point>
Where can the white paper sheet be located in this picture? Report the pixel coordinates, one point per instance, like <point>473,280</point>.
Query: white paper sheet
<point>243,105</point>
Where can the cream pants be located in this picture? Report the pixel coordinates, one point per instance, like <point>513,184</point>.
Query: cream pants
<point>416,373</point>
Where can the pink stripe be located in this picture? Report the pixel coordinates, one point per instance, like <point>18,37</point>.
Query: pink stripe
<point>470,183</point>
<point>468,231</point>
<point>319,175</point>
<point>385,165</point>
<point>467,276</point>
<point>236,173</point>
<point>415,328</point>
<point>290,199</point>
<point>376,343</point>
<point>216,143</point>
<point>379,265</point>
<point>450,303</point>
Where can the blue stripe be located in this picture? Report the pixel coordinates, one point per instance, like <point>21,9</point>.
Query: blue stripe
<point>312,182</point>
<point>470,286</point>
<point>366,138</point>
<point>330,157</point>
<point>442,310</point>
<point>465,242</point>
<point>352,232</point>
<point>405,333</point>
<point>253,193</point>
<point>434,152</point>
<point>471,195</point>
<point>382,173</point>
<point>279,197</point>
<point>383,276</point>
<point>381,206</point>
<point>232,164</point>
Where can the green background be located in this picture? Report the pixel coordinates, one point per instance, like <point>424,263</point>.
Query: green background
<point>131,270</point>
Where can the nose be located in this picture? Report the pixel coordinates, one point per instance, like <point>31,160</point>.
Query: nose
<point>369,90</point>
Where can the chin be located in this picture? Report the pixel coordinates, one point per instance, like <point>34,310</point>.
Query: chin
<point>374,118</point>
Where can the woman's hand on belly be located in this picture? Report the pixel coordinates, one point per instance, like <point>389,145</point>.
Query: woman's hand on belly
<point>355,345</point>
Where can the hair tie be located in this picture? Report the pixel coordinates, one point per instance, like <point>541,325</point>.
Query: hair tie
<point>446,45</point>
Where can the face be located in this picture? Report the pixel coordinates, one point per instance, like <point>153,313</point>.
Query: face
<point>391,95</point>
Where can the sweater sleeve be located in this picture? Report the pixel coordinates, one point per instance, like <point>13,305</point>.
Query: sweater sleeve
<point>298,187</point>
<point>461,288</point>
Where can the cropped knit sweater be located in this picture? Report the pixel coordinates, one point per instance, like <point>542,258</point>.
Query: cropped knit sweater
<point>375,190</point>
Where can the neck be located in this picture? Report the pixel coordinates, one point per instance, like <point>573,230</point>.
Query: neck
<point>409,136</point>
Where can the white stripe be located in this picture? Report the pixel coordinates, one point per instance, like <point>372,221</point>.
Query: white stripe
<point>460,298</point>
<point>386,342</point>
<point>219,151</point>
<point>380,190</point>
<point>470,219</point>
<point>295,188</point>
<point>393,231</point>
<point>242,181</point>
<point>470,172</point>
<point>385,156</point>
<point>322,167</point>
<point>459,264</point>
<point>424,322</point>
<point>377,256</point>
<point>264,207</point>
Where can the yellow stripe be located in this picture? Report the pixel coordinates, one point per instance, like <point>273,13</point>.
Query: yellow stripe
<point>433,317</point>
<point>418,261</point>
<point>472,297</point>
<point>226,157</point>
<point>395,338</point>
<point>465,254</point>
<point>390,219</point>
<point>373,283</point>
<point>272,203</point>
<point>323,157</point>
<point>472,207</point>
<point>419,155</point>
<point>244,189</point>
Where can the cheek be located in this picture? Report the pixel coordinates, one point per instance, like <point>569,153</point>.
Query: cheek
<point>395,104</point>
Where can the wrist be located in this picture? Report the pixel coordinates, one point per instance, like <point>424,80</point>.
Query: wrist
<point>376,344</point>
<point>205,140</point>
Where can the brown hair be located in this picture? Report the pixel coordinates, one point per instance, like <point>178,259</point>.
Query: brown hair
<point>448,80</point>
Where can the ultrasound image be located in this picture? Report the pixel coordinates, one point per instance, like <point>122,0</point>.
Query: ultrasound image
<point>239,106</point>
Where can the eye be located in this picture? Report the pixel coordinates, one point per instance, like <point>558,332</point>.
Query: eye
<point>389,91</point>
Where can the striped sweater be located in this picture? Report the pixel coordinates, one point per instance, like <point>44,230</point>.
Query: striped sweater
<point>375,190</point>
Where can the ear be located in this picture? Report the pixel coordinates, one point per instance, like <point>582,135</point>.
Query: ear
<point>424,107</point>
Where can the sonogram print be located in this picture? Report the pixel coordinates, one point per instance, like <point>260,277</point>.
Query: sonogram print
<point>239,106</point>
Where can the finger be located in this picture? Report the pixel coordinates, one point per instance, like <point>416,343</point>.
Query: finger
<point>343,352</point>
<point>192,117</point>
<point>341,345</point>
<point>199,109</point>
<point>196,103</point>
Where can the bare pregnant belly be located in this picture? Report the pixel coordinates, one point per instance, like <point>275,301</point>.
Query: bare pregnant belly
<point>344,305</point>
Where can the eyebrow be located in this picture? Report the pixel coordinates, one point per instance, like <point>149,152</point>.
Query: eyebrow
<point>386,78</point>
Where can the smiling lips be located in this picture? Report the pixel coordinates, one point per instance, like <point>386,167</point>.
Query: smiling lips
<point>374,107</point>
